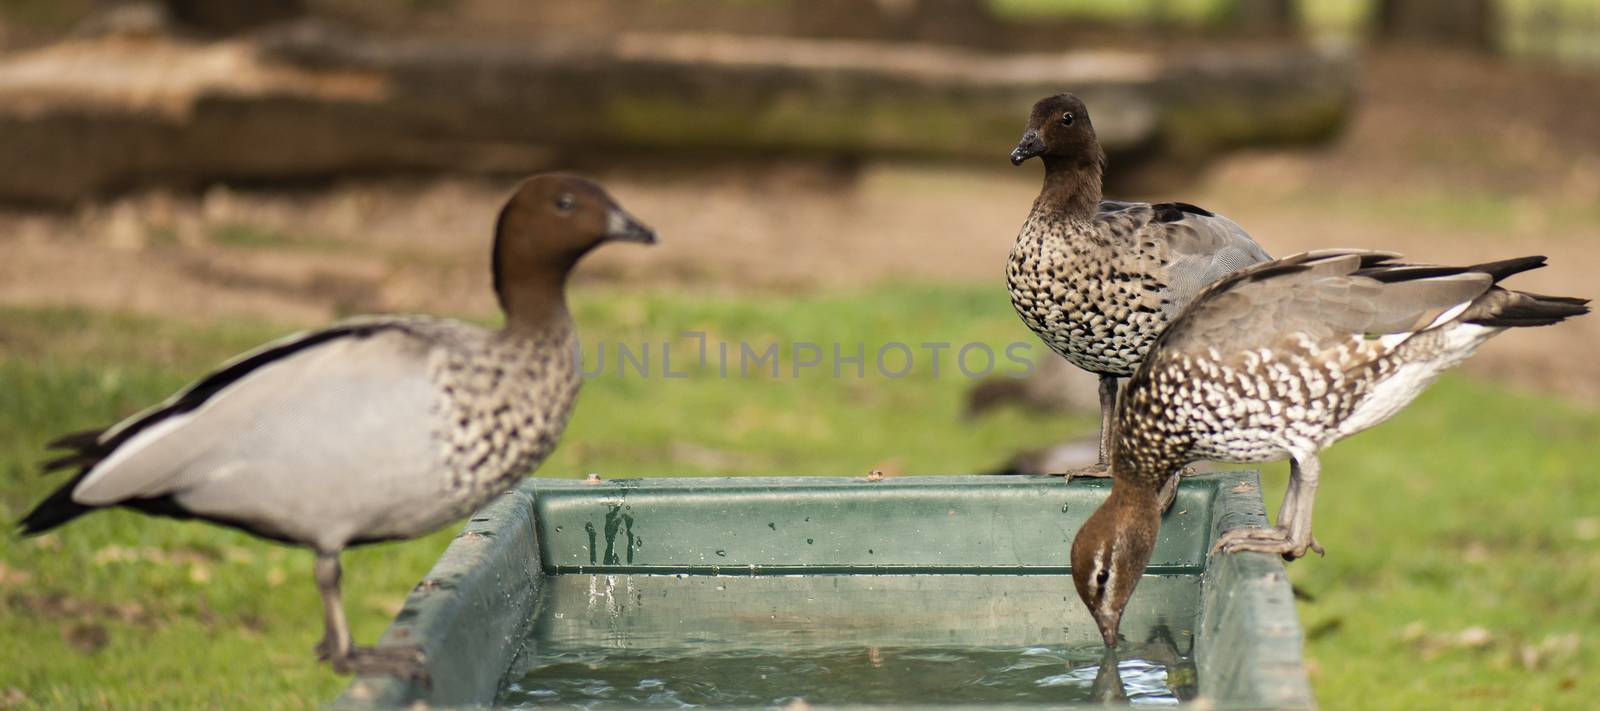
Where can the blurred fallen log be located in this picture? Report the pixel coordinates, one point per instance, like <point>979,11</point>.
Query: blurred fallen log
<point>88,117</point>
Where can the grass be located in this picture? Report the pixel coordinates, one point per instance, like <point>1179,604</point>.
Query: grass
<point>255,237</point>
<point>1475,508</point>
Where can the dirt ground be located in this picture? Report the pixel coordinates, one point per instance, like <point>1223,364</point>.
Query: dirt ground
<point>1449,158</point>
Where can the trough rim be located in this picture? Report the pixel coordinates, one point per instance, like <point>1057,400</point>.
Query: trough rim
<point>483,590</point>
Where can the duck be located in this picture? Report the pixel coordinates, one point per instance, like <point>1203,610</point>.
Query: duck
<point>1279,361</point>
<point>372,429</point>
<point>1097,280</point>
<point>1052,386</point>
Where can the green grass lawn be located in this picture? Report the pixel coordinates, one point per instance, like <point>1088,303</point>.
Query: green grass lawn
<point>1476,508</point>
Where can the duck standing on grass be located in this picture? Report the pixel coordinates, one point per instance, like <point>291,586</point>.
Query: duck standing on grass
<point>1098,280</point>
<point>373,429</point>
<point>1280,361</point>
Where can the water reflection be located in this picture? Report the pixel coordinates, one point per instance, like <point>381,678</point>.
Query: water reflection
<point>1128,672</point>
<point>1107,687</point>
<point>724,641</point>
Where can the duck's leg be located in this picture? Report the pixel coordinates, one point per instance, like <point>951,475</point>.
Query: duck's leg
<point>1291,537</point>
<point>339,650</point>
<point>1290,493</point>
<point>336,641</point>
<point>1108,411</point>
<point>1308,470</point>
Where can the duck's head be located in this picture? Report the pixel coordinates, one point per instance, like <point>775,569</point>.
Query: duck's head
<point>549,223</point>
<point>1059,130</point>
<point>1110,553</point>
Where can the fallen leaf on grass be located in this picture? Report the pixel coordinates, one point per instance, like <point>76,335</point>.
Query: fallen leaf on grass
<point>1413,632</point>
<point>1553,648</point>
<point>1586,529</point>
<point>47,542</point>
<point>1430,646</point>
<point>12,698</point>
<point>12,576</point>
<point>1474,638</point>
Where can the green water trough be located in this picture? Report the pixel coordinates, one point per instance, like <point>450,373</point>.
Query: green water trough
<point>768,592</point>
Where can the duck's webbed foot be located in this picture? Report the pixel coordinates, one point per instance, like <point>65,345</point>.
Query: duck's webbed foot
<point>399,662</point>
<point>1276,540</point>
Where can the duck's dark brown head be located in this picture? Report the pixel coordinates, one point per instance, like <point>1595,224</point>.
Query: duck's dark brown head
<point>1059,130</point>
<point>549,223</point>
<point>1110,553</point>
<point>1060,134</point>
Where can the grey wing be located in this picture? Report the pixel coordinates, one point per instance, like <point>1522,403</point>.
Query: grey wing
<point>1205,247</point>
<point>1322,304</point>
<point>306,447</point>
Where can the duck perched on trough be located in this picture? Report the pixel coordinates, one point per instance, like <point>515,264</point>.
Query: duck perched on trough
<point>1098,280</point>
<point>372,429</point>
<point>1280,361</point>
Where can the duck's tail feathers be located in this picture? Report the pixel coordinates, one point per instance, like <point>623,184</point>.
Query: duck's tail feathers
<point>1513,309</point>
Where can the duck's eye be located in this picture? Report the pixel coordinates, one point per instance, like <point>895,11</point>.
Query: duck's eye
<point>566,202</point>
<point>1105,573</point>
<point>1067,118</point>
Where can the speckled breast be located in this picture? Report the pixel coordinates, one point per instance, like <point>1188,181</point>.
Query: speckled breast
<point>508,404</point>
<point>1084,305</point>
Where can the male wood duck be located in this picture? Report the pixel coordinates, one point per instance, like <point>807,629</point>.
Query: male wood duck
<point>1279,361</point>
<point>1098,280</point>
<point>373,429</point>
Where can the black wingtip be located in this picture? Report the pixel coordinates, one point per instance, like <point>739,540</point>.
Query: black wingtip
<point>57,509</point>
<point>69,461</point>
<point>87,439</point>
<point>1390,273</point>
<point>1507,267</point>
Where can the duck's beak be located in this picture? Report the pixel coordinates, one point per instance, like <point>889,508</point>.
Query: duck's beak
<point>1030,146</point>
<point>1108,628</point>
<point>622,227</point>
